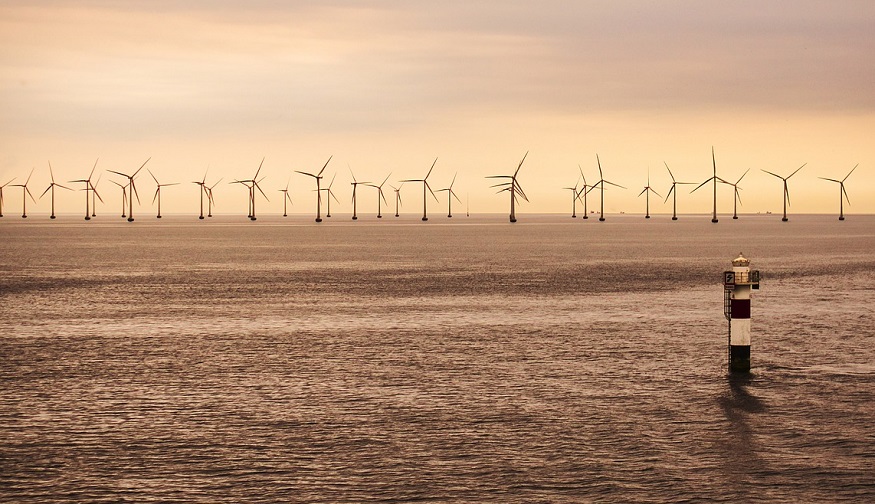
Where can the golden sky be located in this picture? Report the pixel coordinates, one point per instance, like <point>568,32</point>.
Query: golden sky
<point>387,86</point>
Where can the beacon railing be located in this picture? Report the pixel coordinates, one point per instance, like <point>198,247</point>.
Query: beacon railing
<point>731,278</point>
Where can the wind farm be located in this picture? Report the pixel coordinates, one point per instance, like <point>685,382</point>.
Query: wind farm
<point>509,183</point>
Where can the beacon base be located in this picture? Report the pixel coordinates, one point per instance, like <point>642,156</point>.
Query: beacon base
<point>739,358</point>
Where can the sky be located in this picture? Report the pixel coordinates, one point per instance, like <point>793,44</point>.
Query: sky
<point>385,87</point>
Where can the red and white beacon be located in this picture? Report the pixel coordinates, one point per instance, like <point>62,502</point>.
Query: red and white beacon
<point>737,286</point>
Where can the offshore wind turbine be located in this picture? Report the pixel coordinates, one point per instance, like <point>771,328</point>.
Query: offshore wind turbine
<point>786,191</point>
<point>124,197</point>
<point>397,197</point>
<point>354,185</point>
<point>252,185</point>
<point>583,192</point>
<point>647,190</point>
<point>25,192</point>
<point>52,188</point>
<point>210,200</point>
<point>318,178</point>
<point>381,195</point>
<point>512,187</point>
<point>450,195</point>
<point>1,195</point>
<point>737,197</point>
<point>203,190</point>
<point>330,194</point>
<point>715,179</point>
<point>89,187</point>
<point>575,195</point>
<point>842,191</point>
<point>673,190</point>
<point>95,195</point>
<point>158,191</point>
<point>132,189</point>
<point>601,183</point>
<point>286,197</point>
<point>424,187</point>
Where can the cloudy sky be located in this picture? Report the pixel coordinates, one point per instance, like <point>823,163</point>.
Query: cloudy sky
<point>387,86</point>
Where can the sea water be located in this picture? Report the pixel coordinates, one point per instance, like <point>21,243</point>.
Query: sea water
<point>458,360</point>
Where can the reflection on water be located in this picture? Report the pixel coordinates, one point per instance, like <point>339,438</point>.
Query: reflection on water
<point>547,361</point>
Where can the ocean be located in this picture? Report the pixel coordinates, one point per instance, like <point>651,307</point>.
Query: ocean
<point>458,360</point>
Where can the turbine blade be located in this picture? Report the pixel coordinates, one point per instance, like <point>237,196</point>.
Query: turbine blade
<point>325,165</point>
<point>153,176</point>
<point>521,164</point>
<point>668,194</point>
<point>47,190</point>
<point>141,167</point>
<point>850,172</point>
<point>774,174</point>
<point>430,169</point>
<point>669,172</point>
<point>259,169</point>
<point>797,169</point>
<point>742,176</point>
<point>846,194</point>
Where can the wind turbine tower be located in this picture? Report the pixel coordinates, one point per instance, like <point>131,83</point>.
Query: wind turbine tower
<point>786,191</point>
<point>425,187</point>
<point>52,188</point>
<point>513,187</point>
<point>647,190</point>
<point>318,177</point>
<point>842,191</point>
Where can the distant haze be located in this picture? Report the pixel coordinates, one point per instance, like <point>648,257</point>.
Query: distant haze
<point>390,85</point>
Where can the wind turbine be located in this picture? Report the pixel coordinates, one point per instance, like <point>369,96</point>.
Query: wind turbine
<point>354,185</point>
<point>786,192</point>
<point>424,187</point>
<point>450,195</point>
<point>583,191</point>
<point>95,195</point>
<point>575,195</point>
<point>674,211</point>
<point>25,192</point>
<point>513,187</point>
<point>647,190</point>
<point>318,178</point>
<point>210,200</point>
<point>252,185</point>
<point>397,197</point>
<point>1,195</point>
<point>158,191</point>
<point>737,197</point>
<point>286,197</point>
<point>714,178</point>
<point>132,189</point>
<point>601,183</point>
<point>380,195</point>
<point>842,191</point>
<point>52,188</point>
<point>330,194</point>
<point>89,187</point>
<point>124,197</point>
<point>203,190</point>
